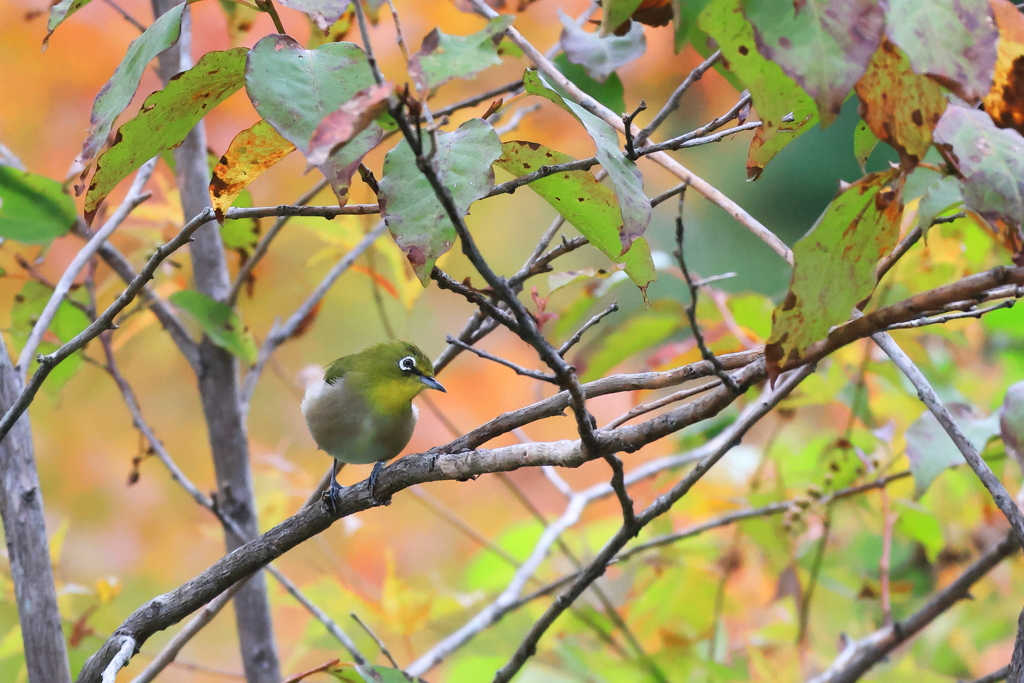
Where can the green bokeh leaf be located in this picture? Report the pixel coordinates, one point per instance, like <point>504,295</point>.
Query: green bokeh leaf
<point>639,333</point>
<point>953,41</point>
<point>66,324</point>
<point>33,209</point>
<point>824,45</point>
<point>616,13</point>
<point>442,57</point>
<point>610,93</point>
<point>221,324</point>
<point>835,264</point>
<point>600,56</point>
<point>588,205</point>
<point>118,91</point>
<point>775,95</point>
<point>920,525</point>
<point>684,19</point>
<point>991,160</point>
<point>166,118</point>
<point>940,197</point>
<point>415,217</point>
<point>293,89</point>
<point>634,205</point>
<point>931,451</point>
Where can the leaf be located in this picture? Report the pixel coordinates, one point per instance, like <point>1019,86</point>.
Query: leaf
<point>220,323</point>
<point>835,264</point>
<point>591,208</point>
<point>347,121</point>
<point>824,45</point>
<point>412,211</point>
<point>442,57</point>
<point>617,13</point>
<point>294,89</point>
<point>775,95</point>
<point>922,526</point>
<point>117,93</point>
<point>1011,422</point>
<point>1005,101</point>
<point>323,13</point>
<point>243,233</point>
<point>940,197</point>
<point>634,205</point>
<point>33,209</point>
<point>864,143</point>
<point>166,117</point>
<point>348,674</point>
<point>900,106</point>
<point>931,451</point>
<point>600,55</point>
<point>29,304</point>
<point>991,161</point>
<point>953,41</point>
<point>252,152</point>
<point>639,333</point>
<point>684,17</point>
<point>610,93</point>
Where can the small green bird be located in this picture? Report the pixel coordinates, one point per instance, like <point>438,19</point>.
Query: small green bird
<point>362,411</point>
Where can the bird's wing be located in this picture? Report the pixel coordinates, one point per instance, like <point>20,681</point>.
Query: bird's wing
<point>337,369</point>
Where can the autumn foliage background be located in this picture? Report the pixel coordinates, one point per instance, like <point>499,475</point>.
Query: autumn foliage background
<point>406,569</point>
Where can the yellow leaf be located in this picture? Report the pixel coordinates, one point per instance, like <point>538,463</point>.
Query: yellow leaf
<point>57,541</point>
<point>107,589</point>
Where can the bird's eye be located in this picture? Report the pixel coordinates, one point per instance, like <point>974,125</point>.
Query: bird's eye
<point>407,364</point>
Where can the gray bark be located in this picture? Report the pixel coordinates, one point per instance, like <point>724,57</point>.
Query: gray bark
<point>218,385</point>
<point>21,506</point>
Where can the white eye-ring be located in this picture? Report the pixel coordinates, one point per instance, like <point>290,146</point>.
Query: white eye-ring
<point>407,364</point>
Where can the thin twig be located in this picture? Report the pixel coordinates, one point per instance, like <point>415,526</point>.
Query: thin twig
<point>672,103</point>
<point>939,319</point>
<point>126,16</point>
<point>398,33</point>
<point>575,339</point>
<point>519,370</point>
<point>645,408</point>
<point>380,643</point>
<point>994,677</point>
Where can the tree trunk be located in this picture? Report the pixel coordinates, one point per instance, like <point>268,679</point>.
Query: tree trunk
<point>218,383</point>
<point>21,506</point>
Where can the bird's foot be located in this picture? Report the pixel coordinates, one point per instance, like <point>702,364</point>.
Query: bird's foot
<point>377,467</point>
<point>330,497</point>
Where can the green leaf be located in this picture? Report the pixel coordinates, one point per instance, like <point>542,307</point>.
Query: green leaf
<point>252,152</point>
<point>241,234</point>
<point>293,89</point>
<point>953,41</point>
<point>415,216</point>
<point>931,451</point>
<point>864,143</point>
<point>990,159</point>
<point>166,118</point>
<point>941,196</point>
<point>118,91</point>
<point>1011,421</point>
<point>588,205</point>
<point>775,95</point>
<point>348,674</point>
<point>900,106</point>
<point>920,525</point>
<point>639,333</point>
<point>684,18</point>
<point>442,57</point>
<point>824,45</point>
<point>323,13</point>
<point>600,55</point>
<point>59,12</point>
<point>835,264</point>
<point>33,209</point>
<point>629,183</point>
<point>221,324</point>
<point>29,304</point>
<point>617,13</point>
<point>610,93</point>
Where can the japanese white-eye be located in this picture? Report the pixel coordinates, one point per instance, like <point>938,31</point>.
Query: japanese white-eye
<point>362,412</point>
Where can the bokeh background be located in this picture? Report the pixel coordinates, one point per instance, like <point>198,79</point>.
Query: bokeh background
<point>406,569</point>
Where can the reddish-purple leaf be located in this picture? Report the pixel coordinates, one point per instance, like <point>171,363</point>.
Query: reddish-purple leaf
<point>346,122</point>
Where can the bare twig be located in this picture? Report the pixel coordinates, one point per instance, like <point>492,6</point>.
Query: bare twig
<point>994,677</point>
<point>519,370</point>
<point>940,319</point>
<point>119,661</point>
<point>575,339</point>
<point>126,16</point>
<point>672,103</point>
<point>645,408</point>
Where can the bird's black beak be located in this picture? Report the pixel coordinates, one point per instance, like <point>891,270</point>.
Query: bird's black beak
<point>433,383</point>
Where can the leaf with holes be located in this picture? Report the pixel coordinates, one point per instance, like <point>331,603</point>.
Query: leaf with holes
<point>34,209</point>
<point>600,56</point>
<point>900,106</point>
<point>953,41</point>
<point>589,206</point>
<point>931,451</point>
<point>634,205</point>
<point>835,264</point>
<point>414,215</point>
<point>442,57</point>
<point>1005,101</point>
<point>991,161</point>
<point>117,93</point>
<point>293,89</point>
<point>166,118</point>
<point>252,152</point>
<point>221,324</point>
<point>786,111</point>
<point>824,45</point>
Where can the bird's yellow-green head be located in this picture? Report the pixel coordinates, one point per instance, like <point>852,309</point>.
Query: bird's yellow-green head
<point>387,375</point>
